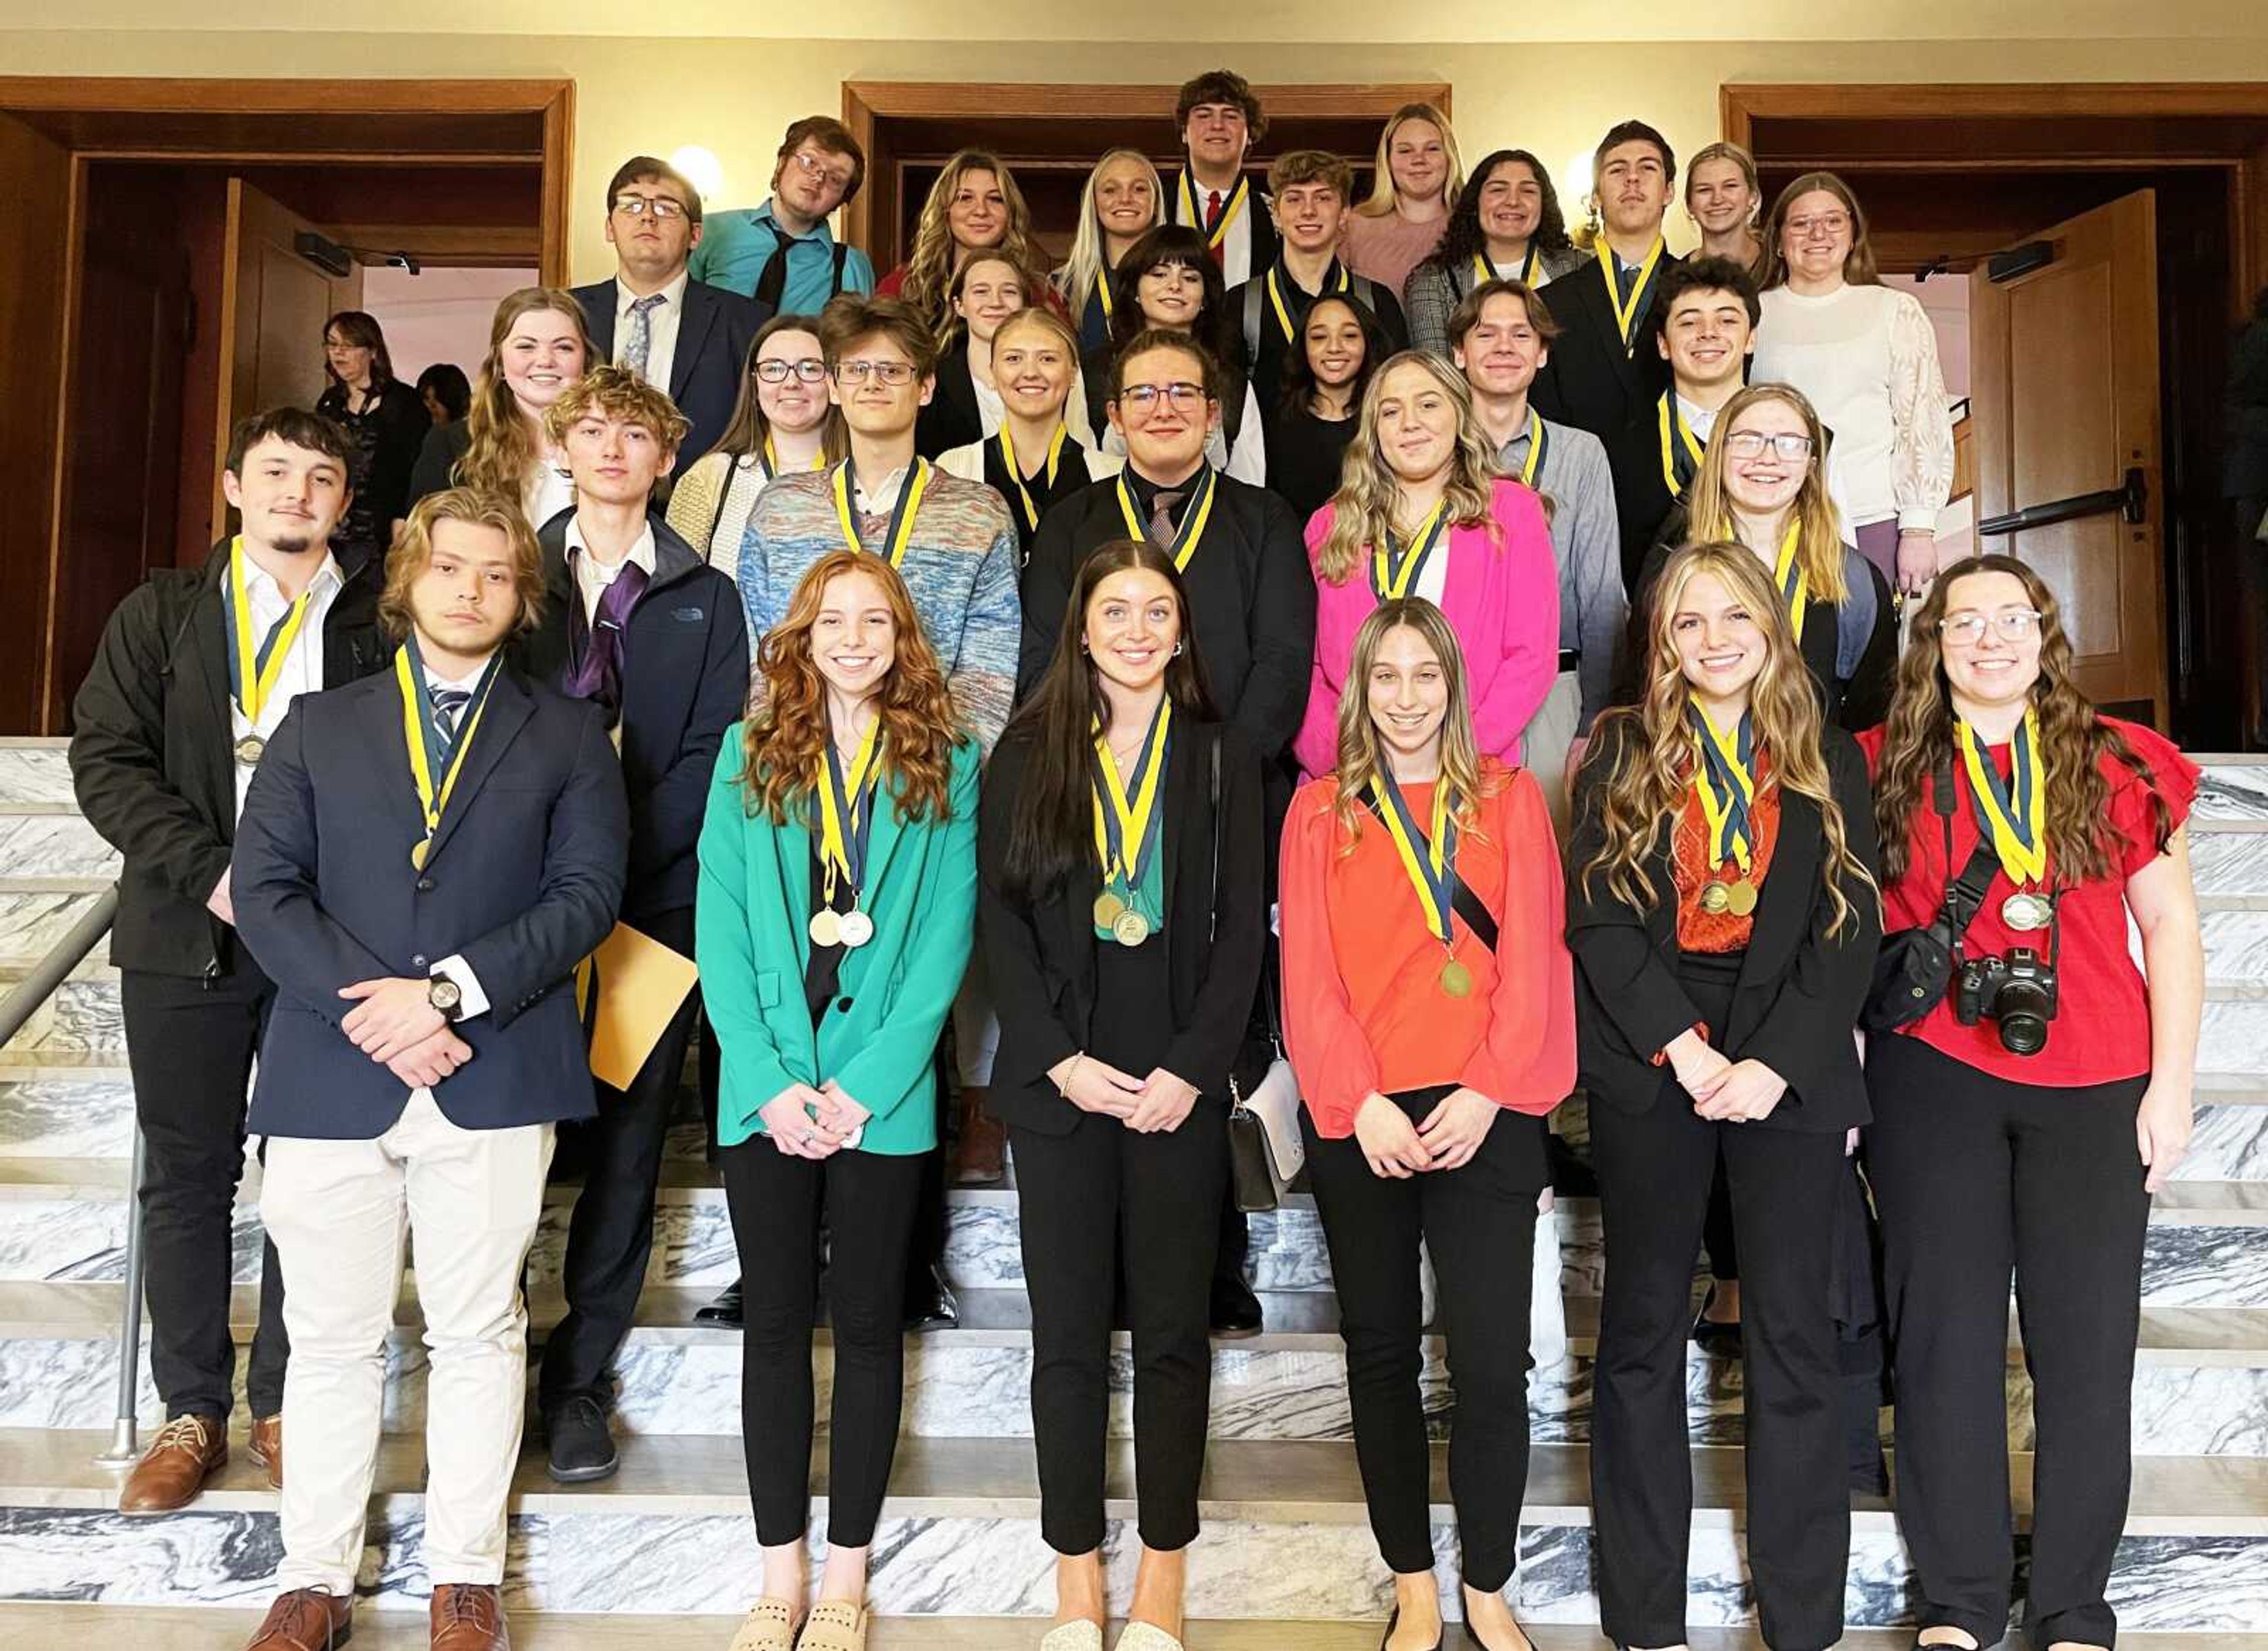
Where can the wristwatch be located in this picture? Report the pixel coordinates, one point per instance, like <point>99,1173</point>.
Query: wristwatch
<point>445,995</point>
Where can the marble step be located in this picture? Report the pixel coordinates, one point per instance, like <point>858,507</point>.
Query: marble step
<point>1286,1536</point>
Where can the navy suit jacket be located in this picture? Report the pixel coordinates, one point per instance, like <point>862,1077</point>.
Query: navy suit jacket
<point>685,681</point>
<point>1591,380</point>
<point>713,336</point>
<point>523,879</point>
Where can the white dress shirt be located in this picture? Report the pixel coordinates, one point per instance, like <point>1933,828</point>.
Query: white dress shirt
<point>472,1000</point>
<point>661,321</point>
<point>593,577</point>
<point>303,666</point>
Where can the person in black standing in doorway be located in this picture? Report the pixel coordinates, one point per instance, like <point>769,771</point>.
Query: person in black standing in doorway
<point>384,419</point>
<point>194,672</point>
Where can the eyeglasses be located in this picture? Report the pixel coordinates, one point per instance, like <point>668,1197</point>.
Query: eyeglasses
<point>810,369</point>
<point>1755,443</point>
<point>811,166</point>
<point>892,373</point>
<point>1966,629</point>
<point>1144,398</point>
<point>662,206</point>
<point>1832,224</point>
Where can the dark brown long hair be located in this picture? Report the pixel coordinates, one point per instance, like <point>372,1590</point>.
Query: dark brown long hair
<point>746,430</point>
<point>1918,739</point>
<point>1053,836</point>
<point>786,733</point>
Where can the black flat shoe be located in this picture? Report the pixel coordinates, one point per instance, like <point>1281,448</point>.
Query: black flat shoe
<point>725,1309</point>
<point>931,1305</point>
<point>1236,1309</point>
<point>1720,1340</point>
<point>1394,1622</point>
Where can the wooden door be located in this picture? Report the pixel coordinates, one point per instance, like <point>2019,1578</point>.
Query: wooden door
<point>274,301</point>
<point>37,178</point>
<point>2064,382</point>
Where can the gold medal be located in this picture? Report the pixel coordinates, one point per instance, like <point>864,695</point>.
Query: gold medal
<point>1131,928</point>
<point>856,929</point>
<point>1716,898</point>
<point>1742,896</point>
<point>250,748</point>
<point>418,853</point>
<point>1456,979</point>
<point>1107,908</point>
<point>826,928</point>
<point>2024,911</point>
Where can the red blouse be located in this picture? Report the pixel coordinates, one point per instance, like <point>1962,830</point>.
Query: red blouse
<point>2101,1032</point>
<point>1363,1005</point>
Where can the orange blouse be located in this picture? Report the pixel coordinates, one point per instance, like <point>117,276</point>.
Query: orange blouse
<point>1364,1009</point>
<point>1700,931</point>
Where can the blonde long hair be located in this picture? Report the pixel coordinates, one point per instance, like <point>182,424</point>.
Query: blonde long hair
<point>1359,759</point>
<point>499,451</point>
<point>1709,513</point>
<point>1383,197</point>
<point>930,270</point>
<point>1639,796</point>
<point>1090,257</point>
<point>1363,508</point>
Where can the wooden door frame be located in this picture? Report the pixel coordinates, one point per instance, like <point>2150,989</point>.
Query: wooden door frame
<point>1741,106</point>
<point>30,97</point>
<point>867,102</point>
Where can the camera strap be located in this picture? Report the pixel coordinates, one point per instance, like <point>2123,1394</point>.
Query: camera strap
<point>1964,895</point>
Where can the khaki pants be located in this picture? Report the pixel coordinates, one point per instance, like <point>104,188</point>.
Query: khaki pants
<point>339,1211</point>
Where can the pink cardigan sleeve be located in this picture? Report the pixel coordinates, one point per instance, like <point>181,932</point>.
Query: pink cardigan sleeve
<point>1526,639</point>
<point>1316,745</point>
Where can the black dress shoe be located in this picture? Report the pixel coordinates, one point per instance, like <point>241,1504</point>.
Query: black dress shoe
<point>725,1309</point>
<point>1713,1336</point>
<point>1236,1309</point>
<point>579,1447</point>
<point>930,1303</point>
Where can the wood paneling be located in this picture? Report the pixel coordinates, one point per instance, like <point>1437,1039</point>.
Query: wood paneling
<point>36,180</point>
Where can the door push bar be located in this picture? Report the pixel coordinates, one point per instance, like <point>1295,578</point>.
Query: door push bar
<point>2128,500</point>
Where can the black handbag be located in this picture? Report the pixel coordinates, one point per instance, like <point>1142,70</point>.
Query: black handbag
<point>1266,1151</point>
<point>1913,970</point>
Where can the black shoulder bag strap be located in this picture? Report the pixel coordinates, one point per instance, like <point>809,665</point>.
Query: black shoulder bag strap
<point>1462,900</point>
<point>1964,895</point>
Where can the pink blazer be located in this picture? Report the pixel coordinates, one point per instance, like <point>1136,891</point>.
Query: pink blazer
<point>1502,601</point>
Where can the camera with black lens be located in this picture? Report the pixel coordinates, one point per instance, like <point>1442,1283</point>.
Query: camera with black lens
<point>2018,992</point>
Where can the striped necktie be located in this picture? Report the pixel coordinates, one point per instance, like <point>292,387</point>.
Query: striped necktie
<point>449,704</point>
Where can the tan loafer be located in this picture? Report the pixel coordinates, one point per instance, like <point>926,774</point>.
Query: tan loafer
<point>306,1619</point>
<point>1145,1636</point>
<point>187,1452</point>
<point>1073,1636</point>
<point>268,1447</point>
<point>833,1624</point>
<point>769,1625</point>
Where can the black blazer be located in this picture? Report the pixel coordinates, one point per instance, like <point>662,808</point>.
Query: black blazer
<point>1591,381</point>
<point>152,754</point>
<point>1855,700</point>
<point>1797,998</point>
<point>522,879</point>
<point>437,461</point>
<point>952,417</point>
<point>1259,208</point>
<point>713,336</point>
<point>1041,958</point>
<point>1251,596</point>
<point>685,681</point>
<point>1643,501</point>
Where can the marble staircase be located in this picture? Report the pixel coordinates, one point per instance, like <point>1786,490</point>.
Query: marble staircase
<point>663,1555</point>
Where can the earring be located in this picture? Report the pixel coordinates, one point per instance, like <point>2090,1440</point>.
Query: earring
<point>1177,651</point>
<point>1082,645</point>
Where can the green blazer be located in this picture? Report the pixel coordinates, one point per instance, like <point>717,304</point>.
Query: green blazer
<point>752,940</point>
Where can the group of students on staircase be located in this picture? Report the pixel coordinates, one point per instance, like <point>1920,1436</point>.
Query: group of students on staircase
<point>1036,703</point>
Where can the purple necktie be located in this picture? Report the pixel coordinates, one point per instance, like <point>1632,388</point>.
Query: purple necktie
<point>594,670</point>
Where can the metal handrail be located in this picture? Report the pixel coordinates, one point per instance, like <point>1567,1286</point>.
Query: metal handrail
<point>23,1001</point>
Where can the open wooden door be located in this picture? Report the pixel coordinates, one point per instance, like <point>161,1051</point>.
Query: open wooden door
<point>274,303</point>
<point>36,172</point>
<point>2064,381</point>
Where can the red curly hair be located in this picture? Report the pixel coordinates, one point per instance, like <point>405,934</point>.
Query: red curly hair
<point>787,733</point>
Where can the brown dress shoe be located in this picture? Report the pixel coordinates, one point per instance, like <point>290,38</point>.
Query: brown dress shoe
<point>468,1617</point>
<point>268,1447</point>
<point>981,1155</point>
<point>187,1452</point>
<point>306,1619</point>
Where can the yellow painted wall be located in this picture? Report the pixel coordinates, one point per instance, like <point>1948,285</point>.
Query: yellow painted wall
<point>735,95</point>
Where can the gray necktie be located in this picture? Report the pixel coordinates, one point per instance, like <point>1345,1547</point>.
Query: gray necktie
<point>1163,507</point>
<point>640,343</point>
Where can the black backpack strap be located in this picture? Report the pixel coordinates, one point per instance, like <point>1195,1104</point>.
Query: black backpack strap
<point>1462,900</point>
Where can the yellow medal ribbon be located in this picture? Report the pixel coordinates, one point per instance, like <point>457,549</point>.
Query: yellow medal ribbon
<point>2014,814</point>
<point>1121,822</point>
<point>1394,575</point>
<point>1016,473</point>
<point>842,808</point>
<point>257,673</point>
<point>1536,437</point>
<point>1627,310</point>
<point>901,530</point>
<point>1787,572</point>
<point>772,462</point>
<point>1102,292</point>
<point>420,735</point>
<point>1485,266</point>
<point>1194,515</point>
<point>1193,215</point>
<point>1677,440</point>
<point>1284,316</point>
<point>1428,858</point>
<point>1724,777</point>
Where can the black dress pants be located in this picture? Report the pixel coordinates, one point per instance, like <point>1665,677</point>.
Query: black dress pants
<point>1654,1169</point>
<point>1086,1199</point>
<point>610,1235</point>
<point>189,1044</point>
<point>1479,1224</point>
<point>776,1202</point>
<point>1977,1177</point>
